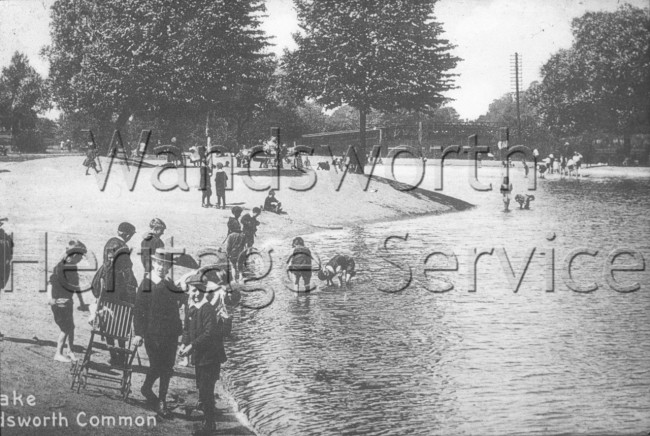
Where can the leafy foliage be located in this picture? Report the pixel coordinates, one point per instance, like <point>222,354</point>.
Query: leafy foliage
<point>112,59</point>
<point>23,95</point>
<point>602,82</point>
<point>387,55</point>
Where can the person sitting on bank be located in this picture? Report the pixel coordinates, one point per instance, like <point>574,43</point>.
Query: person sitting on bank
<point>63,284</point>
<point>271,203</point>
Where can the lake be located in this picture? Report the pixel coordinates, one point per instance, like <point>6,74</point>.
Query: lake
<point>494,361</point>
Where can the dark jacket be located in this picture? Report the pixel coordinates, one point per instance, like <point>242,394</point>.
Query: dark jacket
<point>300,259</point>
<point>150,243</point>
<point>204,183</point>
<point>270,203</point>
<point>220,180</point>
<point>233,225</point>
<point>118,280</point>
<point>202,330</point>
<point>156,311</point>
<point>64,281</point>
<point>6,254</point>
<point>235,246</point>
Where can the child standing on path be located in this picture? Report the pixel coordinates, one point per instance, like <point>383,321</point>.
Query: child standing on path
<point>64,282</point>
<point>202,337</point>
<point>220,181</point>
<point>90,161</point>
<point>204,184</point>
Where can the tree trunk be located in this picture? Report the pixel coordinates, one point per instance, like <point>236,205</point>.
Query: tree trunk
<point>361,150</point>
<point>239,133</point>
<point>119,124</point>
<point>627,145</point>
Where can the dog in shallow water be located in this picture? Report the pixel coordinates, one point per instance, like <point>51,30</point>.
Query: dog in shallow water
<point>340,266</point>
<point>524,200</point>
<point>323,166</point>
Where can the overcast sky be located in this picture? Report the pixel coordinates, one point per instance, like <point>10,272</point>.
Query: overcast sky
<point>486,32</point>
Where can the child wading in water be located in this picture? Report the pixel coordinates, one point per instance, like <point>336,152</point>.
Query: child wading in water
<point>300,263</point>
<point>64,283</point>
<point>506,189</point>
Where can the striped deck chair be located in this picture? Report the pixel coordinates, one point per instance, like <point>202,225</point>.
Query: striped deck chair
<point>113,320</point>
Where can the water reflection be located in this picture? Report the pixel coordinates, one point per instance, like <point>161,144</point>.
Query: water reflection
<point>360,361</point>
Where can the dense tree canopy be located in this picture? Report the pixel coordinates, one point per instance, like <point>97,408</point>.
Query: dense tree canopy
<point>114,58</point>
<point>387,55</point>
<point>23,95</point>
<point>602,82</point>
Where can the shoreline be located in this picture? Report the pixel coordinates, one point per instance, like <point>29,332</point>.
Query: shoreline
<point>54,196</point>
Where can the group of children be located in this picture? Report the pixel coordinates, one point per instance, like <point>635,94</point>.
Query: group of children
<point>157,304</point>
<point>300,266</point>
<point>220,183</point>
<point>563,166</point>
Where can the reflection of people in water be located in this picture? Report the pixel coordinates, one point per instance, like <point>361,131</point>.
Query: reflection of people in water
<point>506,189</point>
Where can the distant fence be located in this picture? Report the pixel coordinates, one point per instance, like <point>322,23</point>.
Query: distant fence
<point>422,136</point>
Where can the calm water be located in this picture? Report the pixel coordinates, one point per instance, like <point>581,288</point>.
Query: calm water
<point>362,361</point>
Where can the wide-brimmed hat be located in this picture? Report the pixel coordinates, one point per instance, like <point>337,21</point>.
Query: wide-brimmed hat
<point>75,247</point>
<point>3,219</point>
<point>157,223</point>
<point>163,255</point>
<point>127,228</point>
<point>198,280</point>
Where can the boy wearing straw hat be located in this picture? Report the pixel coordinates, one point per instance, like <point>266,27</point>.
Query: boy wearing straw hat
<point>202,338</point>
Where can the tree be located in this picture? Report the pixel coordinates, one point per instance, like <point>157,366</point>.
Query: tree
<point>114,58</point>
<point>23,95</point>
<point>602,83</point>
<point>502,112</point>
<point>386,56</point>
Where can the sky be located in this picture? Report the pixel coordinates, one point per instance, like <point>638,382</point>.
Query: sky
<point>486,34</point>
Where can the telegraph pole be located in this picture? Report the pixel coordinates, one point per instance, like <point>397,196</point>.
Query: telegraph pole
<point>515,70</point>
